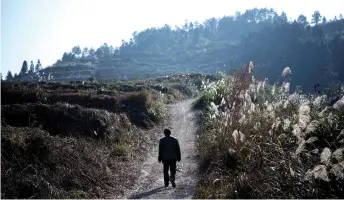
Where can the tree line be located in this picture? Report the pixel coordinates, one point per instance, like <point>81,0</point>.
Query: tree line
<point>312,48</point>
<point>25,71</point>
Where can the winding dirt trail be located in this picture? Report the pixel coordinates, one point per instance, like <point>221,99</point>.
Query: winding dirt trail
<point>182,121</point>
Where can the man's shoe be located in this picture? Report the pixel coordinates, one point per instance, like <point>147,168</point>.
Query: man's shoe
<point>173,184</point>
<point>166,184</point>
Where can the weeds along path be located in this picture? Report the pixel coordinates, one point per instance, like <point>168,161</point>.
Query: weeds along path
<point>182,121</point>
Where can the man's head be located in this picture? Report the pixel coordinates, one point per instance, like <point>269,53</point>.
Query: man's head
<point>167,132</point>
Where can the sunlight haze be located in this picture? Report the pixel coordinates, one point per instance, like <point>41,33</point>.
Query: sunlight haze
<point>45,29</point>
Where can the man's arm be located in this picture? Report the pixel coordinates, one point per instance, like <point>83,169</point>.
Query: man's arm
<point>178,152</point>
<point>160,151</point>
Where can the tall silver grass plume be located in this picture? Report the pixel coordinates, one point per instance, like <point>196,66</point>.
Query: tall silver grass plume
<point>319,172</point>
<point>337,170</point>
<point>325,156</point>
<point>286,71</point>
<point>235,135</point>
<point>250,67</point>
<point>338,154</point>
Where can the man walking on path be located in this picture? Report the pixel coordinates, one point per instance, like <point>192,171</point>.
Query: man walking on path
<point>169,154</point>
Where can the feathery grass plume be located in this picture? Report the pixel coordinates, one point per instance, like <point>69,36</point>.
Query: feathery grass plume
<point>319,172</point>
<point>242,119</point>
<point>235,135</point>
<point>324,112</point>
<point>319,101</point>
<point>286,103</point>
<point>338,154</point>
<point>277,123</point>
<point>233,105</point>
<point>269,107</point>
<point>286,124</point>
<point>213,109</point>
<point>331,118</point>
<point>337,170</point>
<point>312,127</point>
<point>259,86</point>
<point>265,82</point>
<point>301,147</point>
<point>256,126</point>
<point>273,89</point>
<point>292,172</point>
<point>304,117</point>
<point>297,132</point>
<point>339,105</point>
<point>247,96</point>
<point>266,103</point>
<point>314,151</point>
<point>341,135</point>
<point>286,87</point>
<point>223,101</point>
<point>311,140</point>
<point>325,156</point>
<point>296,98</point>
<point>252,108</point>
<point>286,71</point>
<point>250,67</point>
<point>241,136</point>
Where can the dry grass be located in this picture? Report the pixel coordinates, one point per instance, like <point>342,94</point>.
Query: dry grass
<point>67,151</point>
<point>79,140</point>
<point>35,164</point>
<point>110,103</point>
<point>135,99</point>
<point>65,119</point>
<point>142,100</point>
<point>261,142</point>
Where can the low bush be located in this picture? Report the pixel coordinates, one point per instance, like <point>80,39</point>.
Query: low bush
<point>143,100</point>
<point>158,110</point>
<point>65,119</point>
<point>110,103</point>
<point>13,93</point>
<point>183,89</point>
<point>137,105</point>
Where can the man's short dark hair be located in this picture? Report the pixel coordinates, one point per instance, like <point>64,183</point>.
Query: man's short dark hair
<point>167,132</point>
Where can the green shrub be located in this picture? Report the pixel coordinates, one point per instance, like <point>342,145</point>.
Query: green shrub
<point>122,150</point>
<point>184,89</point>
<point>212,92</point>
<point>158,111</point>
<point>143,100</point>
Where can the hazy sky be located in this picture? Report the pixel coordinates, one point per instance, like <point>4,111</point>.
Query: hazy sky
<point>44,29</point>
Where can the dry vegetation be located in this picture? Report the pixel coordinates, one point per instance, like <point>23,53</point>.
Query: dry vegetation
<point>81,140</point>
<point>260,141</point>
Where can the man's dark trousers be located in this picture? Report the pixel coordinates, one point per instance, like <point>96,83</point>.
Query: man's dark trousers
<point>169,164</point>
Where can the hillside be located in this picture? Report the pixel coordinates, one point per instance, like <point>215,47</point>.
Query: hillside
<point>311,48</point>
<point>82,140</point>
<point>269,125</point>
<point>249,139</point>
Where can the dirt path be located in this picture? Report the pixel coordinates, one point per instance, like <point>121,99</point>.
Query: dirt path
<point>150,183</point>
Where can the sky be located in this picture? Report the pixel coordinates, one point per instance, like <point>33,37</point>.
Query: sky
<point>45,29</point>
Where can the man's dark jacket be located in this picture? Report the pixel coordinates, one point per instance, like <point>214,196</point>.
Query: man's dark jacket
<point>169,149</point>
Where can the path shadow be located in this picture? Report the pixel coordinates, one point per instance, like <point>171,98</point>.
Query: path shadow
<point>145,194</point>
